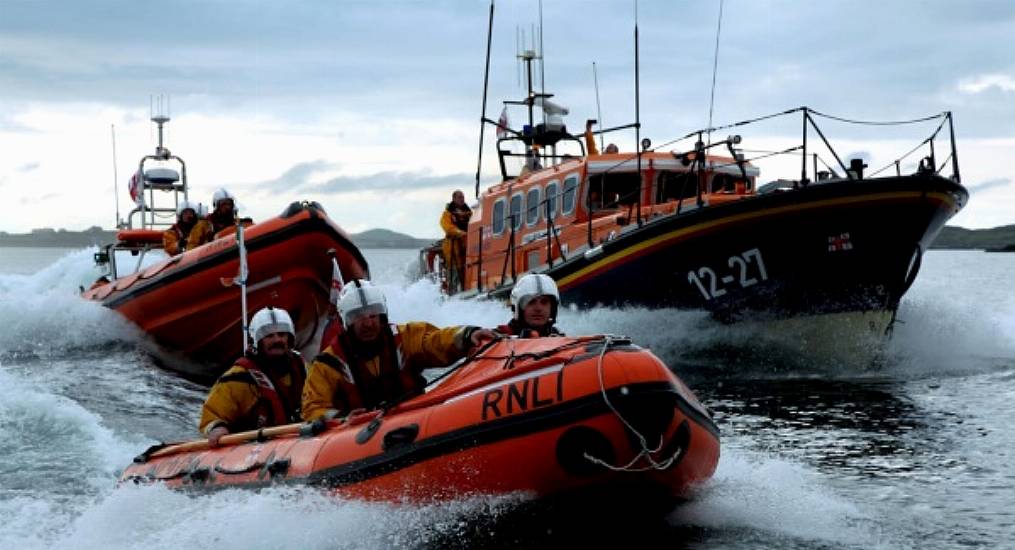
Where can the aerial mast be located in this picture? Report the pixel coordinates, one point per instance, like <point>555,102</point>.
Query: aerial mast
<point>486,84</point>
<point>637,105</point>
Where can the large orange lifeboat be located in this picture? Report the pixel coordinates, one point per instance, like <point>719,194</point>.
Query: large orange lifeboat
<point>544,417</point>
<point>690,225</point>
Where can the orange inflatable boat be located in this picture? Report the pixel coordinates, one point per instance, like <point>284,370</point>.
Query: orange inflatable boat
<point>544,417</point>
<point>189,304</point>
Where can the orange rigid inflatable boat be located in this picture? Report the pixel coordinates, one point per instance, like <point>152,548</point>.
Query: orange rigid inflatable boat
<point>189,304</point>
<point>541,417</point>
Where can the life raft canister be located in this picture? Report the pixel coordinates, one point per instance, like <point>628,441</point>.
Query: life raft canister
<point>139,236</point>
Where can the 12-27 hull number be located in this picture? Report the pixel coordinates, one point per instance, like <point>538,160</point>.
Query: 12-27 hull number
<point>712,285</point>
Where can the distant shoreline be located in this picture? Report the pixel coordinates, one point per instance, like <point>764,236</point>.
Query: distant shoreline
<point>950,238</point>
<point>50,238</point>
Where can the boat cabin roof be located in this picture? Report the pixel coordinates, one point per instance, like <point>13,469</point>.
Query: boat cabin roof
<point>619,163</point>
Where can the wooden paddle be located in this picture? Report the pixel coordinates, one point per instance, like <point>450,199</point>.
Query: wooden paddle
<point>229,440</point>
<point>356,417</point>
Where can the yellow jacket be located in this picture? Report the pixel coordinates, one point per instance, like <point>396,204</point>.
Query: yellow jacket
<point>453,246</point>
<point>207,229</point>
<point>451,230</point>
<point>590,143</point>
<point>201,233</point>
<point>174,240</point>
<point>238,402</point>
<point>337,383</point>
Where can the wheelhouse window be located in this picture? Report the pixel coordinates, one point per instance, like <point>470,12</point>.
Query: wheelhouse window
<point>723,183</point>
<point>498,217</point>
<point>551,198</point>
<point>613,189</point>
<point>676,185</point>
<point>534,206</point>
<point>567,202</point>
<point>516,211</point>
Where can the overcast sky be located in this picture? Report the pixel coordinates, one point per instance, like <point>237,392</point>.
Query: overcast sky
<point>371,107</point>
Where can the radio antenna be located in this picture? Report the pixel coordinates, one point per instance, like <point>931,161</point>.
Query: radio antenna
<point>486,83</point>
<point>637,109</point>
<point>599,109</point>
<point>168,114</point>
<point>518,51</point>
<point>542,60</point>
<point>116,178</point>
<point>715,66</point>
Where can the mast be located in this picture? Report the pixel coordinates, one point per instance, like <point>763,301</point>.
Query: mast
<point>715,67</point>
<point>599,109</point>
<point>637,113</point>
<point>116,178</point>
<point>486,84</point>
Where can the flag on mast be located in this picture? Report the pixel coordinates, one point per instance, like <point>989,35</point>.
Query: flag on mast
<point>502,124</point>
<point>336,281</point>
<point>134,187</point>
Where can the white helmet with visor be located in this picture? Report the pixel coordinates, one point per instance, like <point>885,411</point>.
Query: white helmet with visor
<point>359,298</point>
<point>269,321</point>
<point>531,286</point>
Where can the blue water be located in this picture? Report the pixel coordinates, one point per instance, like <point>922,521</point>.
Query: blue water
<point>831,439</point>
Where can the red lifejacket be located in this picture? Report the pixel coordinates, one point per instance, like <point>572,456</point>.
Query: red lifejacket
<point>358,388</point>
<point>218,223</point>
<point>332,330</point>
<point>280,408</point>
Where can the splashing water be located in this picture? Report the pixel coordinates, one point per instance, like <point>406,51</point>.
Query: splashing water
<point>43,314</point>
<point>78,399</point>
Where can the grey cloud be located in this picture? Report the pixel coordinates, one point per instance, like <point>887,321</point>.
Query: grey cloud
<point>297,177</point>
<point>8,124</point>
<point>24,168</point>
<point>400,181</point>
<point>392,58</point>
<point>27,201</point>
<point>988,184</point>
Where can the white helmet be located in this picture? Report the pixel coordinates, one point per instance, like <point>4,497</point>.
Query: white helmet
<point>188,205</point>
<point>220,196</point>
<point>269,321</point>
<point>358,298</point>
<point>531,286</point>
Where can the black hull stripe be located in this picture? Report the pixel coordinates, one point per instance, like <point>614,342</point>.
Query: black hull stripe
<point>535,421</point>
<point>311,225</point>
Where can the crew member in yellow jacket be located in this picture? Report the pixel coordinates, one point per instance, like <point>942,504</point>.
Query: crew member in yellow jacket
<point>262,389</point>
<point>223,216</point>
<point>455,223</point>
<point>590,141</point>
<point>174,239</point>
<point>374,363</point>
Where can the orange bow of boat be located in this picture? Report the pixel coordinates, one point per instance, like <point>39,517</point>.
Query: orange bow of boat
<point>543,417</point>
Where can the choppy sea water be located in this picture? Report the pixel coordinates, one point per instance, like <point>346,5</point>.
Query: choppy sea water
<point>830,438</point>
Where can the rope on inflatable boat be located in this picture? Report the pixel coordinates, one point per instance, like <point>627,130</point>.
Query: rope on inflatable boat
<point>645,452</point>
